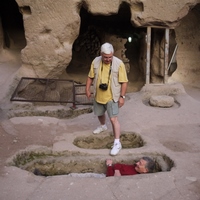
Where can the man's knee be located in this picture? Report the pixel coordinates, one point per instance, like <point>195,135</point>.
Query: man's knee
<point>114,120</point>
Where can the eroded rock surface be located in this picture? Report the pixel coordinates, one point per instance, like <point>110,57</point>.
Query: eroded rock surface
<point>62,35</point>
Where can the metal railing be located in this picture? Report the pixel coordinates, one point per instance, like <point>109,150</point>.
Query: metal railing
<point>50,90</point>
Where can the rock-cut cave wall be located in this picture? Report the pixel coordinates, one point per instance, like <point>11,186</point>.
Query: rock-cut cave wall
<point>55,36</point>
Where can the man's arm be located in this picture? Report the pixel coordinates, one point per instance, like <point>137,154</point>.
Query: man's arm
<point>123,92</point>
<point>87,88</point>
<point>110,168</point>
<point>123,88</point>
<point>117,173</point>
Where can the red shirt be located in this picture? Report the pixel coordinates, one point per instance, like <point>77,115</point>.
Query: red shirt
<point>123,168</point>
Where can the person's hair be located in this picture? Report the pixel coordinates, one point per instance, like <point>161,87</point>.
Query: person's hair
<point>150,165</point>
<point>107,48</point>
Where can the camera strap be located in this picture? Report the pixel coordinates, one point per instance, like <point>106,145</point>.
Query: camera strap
<point>108,74</point>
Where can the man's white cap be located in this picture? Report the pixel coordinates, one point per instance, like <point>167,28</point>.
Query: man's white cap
<point>107,48</point>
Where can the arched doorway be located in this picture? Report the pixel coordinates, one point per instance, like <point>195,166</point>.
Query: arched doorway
<point>116,29</point>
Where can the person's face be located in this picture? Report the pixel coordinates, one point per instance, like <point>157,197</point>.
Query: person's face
<point>107,58</point>
<point>140,166</point>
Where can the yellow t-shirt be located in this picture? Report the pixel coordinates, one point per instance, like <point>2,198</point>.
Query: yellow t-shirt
<point>103,96</point>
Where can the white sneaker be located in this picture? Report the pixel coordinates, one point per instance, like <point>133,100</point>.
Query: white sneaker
<point>100,129</point>
<point>115,149</point>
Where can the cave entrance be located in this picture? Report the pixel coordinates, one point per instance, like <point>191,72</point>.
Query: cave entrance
<point>144,50</point>
<point>160,55</point>
<point>116,29</point>
<point>12,26</point>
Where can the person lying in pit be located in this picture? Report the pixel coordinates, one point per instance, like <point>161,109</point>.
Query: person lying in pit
<point>144,165</point>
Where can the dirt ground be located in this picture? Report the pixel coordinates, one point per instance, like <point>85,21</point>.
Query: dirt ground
<point>173,131</point>
<point>15,137</point>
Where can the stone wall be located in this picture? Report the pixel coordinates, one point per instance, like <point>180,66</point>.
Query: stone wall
<point>51,28</point>
<point>188,54</point>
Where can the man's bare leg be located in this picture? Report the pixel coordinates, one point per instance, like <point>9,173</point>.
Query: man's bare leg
<point>102,119</point>
<point>103,127</point>
<point>116,127</point>
<point>116,130</point>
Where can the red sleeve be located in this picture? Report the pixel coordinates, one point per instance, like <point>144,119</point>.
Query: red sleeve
<point>117,166</point>
<point>125,169</point>
<point>110,171</point>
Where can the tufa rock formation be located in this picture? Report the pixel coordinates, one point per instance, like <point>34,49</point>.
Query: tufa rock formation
<point>62,37</point>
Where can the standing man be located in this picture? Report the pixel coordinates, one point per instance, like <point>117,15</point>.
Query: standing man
<point>108,75</point>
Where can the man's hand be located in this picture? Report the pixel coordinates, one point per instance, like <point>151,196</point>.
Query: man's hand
<point>123,92</point>
<point>109,162</point>
<point>87,88</point>
<point>117,173</point>
<point>88,94</point>
<point>121,102</point>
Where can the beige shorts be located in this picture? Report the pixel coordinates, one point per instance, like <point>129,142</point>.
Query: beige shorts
<point>111,107</point>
